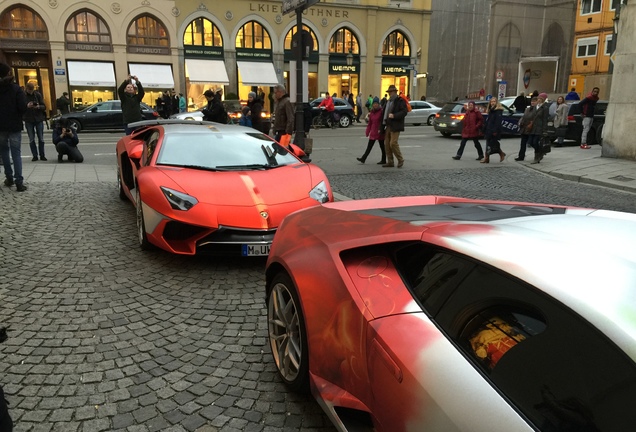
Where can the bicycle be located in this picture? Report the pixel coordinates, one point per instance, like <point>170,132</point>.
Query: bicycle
<point>325,120</point>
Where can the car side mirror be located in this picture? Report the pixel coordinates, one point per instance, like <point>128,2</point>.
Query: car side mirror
<point>136,152</point>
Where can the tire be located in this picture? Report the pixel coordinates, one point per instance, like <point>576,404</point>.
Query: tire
<point>591,136</point>
<point>144,244</point>
<point>74,124</point>
<point>345,121</point>
<point>599,135</point>
<point>446,134</point>
<point>430,120</point>
<point>416,124</point>
<point>287,333</point>
<point>316,122</point>
<point>120,186</point>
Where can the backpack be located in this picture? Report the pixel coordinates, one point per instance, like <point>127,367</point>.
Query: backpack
<point>408,104</point>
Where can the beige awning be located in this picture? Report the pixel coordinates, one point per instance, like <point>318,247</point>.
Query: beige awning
<point>153,75</point>
<point>206,71</point>
<point>257,73</point>
<point>94,74</point>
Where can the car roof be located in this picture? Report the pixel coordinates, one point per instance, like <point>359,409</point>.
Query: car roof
<point>176,126</point>
<point>583,258</point>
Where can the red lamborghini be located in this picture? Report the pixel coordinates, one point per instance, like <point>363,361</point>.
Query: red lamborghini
<point>206,187</point>
<point>448,314</point>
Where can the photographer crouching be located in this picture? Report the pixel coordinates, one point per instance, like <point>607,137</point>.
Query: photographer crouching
<point>66,140</point>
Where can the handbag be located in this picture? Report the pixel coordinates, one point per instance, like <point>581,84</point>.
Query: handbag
<point>546,145</point>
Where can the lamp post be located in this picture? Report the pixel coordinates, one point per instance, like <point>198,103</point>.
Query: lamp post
<point>615,20</point>
<point>349,58</point>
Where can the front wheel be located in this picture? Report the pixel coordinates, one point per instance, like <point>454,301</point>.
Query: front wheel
<point>74,124</point>
<point>144,244</point>
<point>287,333</point>
<point>345,121</point>
<point>316,123</point>
<point>430,119</point>
<point>120,186</point>
<point>446,134</point>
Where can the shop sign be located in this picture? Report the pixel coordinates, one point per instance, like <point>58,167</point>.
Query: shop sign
<point>394,70</point>
<point>251,54</point>
<point>148,50</point>
<point>60,71</point>
<point>72,46</point>
<point>340,68</point>
<point>202,52</point>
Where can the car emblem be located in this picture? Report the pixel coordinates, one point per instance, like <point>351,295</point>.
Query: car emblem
<point>264,215</point>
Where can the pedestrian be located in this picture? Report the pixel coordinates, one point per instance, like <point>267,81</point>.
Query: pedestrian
<point>561,120</point>
<point>283,114</point>
<point>374,132</point>
<point>572,95</point>
<point>131,93</point>
<point>393,113</point>
<point>182,103</point>
<point>493,130</point>
<point>358,107</point>
<point>525,128</point>
<point>521,102</point>
<point>423,98</point>
<point>472,125</point>
<point>214,110</point>
<point>246,118</point>
<point>160,104</point>
<point>167,104</point>
<point>539,127</point>
<point>63,104</point>
<point>384,99</point>
<point>587,112</point>
<point>369,103</point>
<point>255,105</point>
<point>34,120</point>
<point>13,105</point>
<point>66,141</point>
<point>351,101</point>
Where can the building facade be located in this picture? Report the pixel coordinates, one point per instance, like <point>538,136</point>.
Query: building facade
<point>593,46</point>
<point>496,47</point>
<point>89,48</point>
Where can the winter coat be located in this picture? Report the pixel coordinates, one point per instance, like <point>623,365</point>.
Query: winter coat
<point>588,104</point>
<point>375,124</point>
<point>131,103</point>
<point>493,121</point>
<point>70,140</point>
<point>540,123</point>
<point>13,105</point>
<point>525,123</point>
<point>256,108</point>
<point>561,117</point>
<point>37,113</point>
<point>472,124</point>
<point>284,118</point>
<point>399,111</point>
<point>215,111</point>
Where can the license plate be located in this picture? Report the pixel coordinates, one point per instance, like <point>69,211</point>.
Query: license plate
<point>442,125</point>
<point>255,249</point>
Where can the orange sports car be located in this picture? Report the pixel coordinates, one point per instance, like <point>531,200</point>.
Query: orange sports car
<point>205,187</point>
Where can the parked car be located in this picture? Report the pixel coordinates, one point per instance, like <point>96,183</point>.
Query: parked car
<point>448,120</point>
<point>102,115</point>
<point>574,130</point>
<point>206,187</point>
<point>422,112</point>
<point>343,109</point>
<point>452,314</point>
<point>233,108</point>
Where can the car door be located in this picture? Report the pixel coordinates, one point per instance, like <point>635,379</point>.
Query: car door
<point>418,114</point>
<point>419,379</point>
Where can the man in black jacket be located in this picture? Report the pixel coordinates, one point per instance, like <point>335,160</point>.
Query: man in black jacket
<point>13,105</point>
<point>131,93</point>
<point>34,120</point>
<point>393,114</point>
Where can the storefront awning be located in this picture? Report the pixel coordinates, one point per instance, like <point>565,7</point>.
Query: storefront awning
<point>153,75</point>
<point>257,73</point>
<point>94,74</point>
<point>206,71</point>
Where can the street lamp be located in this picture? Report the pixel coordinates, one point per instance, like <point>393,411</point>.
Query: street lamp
<point>349,58</point>
<point>616,19</point>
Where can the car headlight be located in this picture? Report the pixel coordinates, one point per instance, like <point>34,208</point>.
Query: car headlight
<point>320,192</point>
<point>179,200</point>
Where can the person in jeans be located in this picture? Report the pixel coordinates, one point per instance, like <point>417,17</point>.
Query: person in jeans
<point>66,140</point>
<point>393,113</point>
<point>13,105</point>
<point>34,120</point>
<point>472,125</point>
<point>525,128</point>
<point>587,112</point>
<point>561,120</point>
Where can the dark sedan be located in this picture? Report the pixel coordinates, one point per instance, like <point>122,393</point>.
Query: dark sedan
<point>102,115</point>
<point>575,124</point>
<point>449,120</point>
<point>343,109</point>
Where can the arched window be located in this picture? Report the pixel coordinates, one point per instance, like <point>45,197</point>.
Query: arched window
<point>344,41</point>
<point>22,23</point>
<point>396,44</point>
<point>147,31</point>
<point>85,26</point>
<point>253,35</point>
<point>292,32</point>
<point>202,32</point>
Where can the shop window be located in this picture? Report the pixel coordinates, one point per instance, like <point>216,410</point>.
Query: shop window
<point>344,41</point>
<point>85,26</point>
<point>202,32</point>
<point>396,44</point>
<point>22,23</point>
<point>292,32</point>
<point>253,35</point>
<point>147,31</point>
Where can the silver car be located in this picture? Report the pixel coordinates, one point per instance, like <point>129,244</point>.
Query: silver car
<point>422,112</point>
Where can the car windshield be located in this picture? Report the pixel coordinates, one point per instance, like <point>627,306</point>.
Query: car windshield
<point>220,151</point>
<point>453,107</point>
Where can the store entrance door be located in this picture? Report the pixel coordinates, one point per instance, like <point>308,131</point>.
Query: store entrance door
<point>40,79</point>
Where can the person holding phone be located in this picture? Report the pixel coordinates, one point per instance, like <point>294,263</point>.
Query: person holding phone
<point>66,141</point>
<point>131,93</point>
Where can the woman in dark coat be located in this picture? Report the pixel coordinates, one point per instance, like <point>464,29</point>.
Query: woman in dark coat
<point>539,127</point>
<point>493,130</point>
<point>256,108</point>
<point>472,123</point>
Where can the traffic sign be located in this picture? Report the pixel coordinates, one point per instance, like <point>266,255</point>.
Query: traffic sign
<point>499,74</point>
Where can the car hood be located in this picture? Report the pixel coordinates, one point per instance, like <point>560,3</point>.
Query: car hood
<point>243,188</point>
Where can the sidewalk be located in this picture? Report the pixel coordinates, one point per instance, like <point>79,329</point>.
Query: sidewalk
<point>569,163</point>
